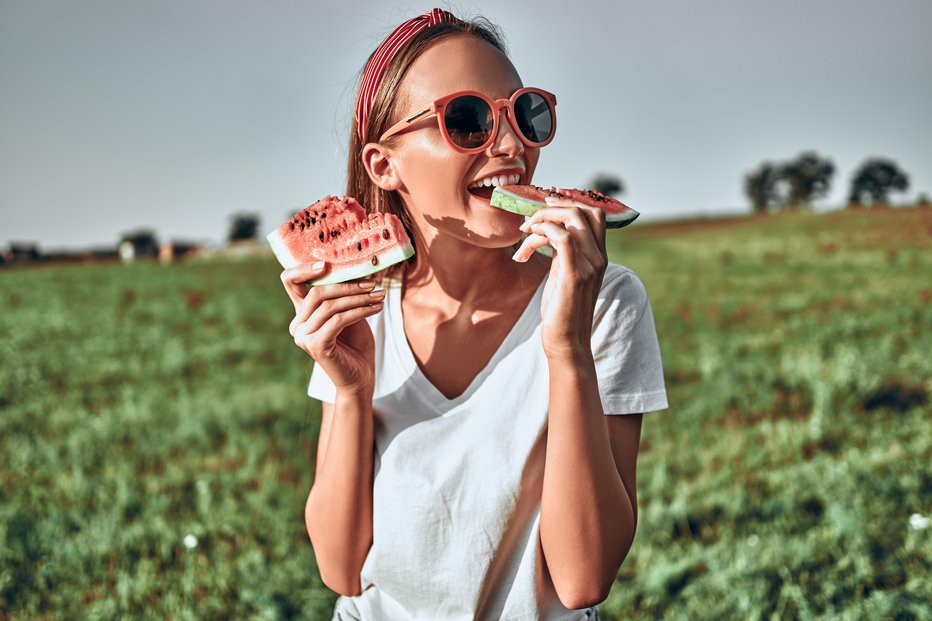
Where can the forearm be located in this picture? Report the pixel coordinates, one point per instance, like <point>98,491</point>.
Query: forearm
<point>338,513</point>
<point>587,521</point>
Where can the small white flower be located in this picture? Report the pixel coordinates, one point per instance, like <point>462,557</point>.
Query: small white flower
<point>918,522</point>
<point>753,540</point>
<point>190,542</point>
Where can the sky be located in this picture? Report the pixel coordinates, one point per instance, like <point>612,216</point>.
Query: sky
<point>119,115</point>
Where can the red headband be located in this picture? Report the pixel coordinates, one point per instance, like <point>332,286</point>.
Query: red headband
<point>375,68</point>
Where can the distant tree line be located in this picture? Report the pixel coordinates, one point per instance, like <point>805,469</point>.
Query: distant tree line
<point>243,227</point>
<point>142,243</point>
<point>794,184</point>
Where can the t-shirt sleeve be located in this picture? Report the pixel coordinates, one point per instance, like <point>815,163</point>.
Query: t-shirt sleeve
<point>321,387</point>
<point>625,347</point>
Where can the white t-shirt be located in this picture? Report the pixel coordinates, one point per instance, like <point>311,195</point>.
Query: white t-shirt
<point>457,489</point>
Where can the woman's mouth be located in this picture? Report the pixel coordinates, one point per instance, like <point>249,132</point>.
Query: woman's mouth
<point>484,192</point>
<point>483,187</point>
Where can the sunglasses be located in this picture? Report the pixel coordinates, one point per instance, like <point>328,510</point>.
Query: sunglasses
<point>469,120</point>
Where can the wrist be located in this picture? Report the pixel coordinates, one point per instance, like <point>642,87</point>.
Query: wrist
<point>577,357</point>
<point>357,392</point>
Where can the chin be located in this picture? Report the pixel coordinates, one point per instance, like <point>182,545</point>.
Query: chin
<point>503,238</point>
<point>489,236</point>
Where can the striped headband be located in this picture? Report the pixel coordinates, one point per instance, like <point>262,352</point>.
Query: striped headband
<point>375,68</point>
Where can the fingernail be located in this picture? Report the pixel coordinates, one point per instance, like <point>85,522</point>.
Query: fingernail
<point>550,199</point>
<point>378,293</point>
<point>514,257</point>
<point>368,284</point>
<point>318,266</point>
<point>523,227</point>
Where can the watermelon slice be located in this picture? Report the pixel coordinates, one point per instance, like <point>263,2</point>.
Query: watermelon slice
<point>338,231</point>
<point>526,199</point>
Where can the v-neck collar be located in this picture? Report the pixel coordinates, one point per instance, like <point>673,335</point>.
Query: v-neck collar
<point>419,379</point>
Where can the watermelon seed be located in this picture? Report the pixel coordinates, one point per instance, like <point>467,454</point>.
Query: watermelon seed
<point>384,236</point>
<point>321,236</point>
<point>313,220</point>
<point>359,246</point>
<point>302,226</point>
<point>292,226</point>
<point>375,260</point>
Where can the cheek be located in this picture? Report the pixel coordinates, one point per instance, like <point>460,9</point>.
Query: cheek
<point>532,158</point>
<point>433,168</point>
<point>429,145</point>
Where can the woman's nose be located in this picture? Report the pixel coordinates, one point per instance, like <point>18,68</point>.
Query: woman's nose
<point>507,140</point>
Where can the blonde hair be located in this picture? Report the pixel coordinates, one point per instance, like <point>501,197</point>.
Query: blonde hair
<point>382,116</point>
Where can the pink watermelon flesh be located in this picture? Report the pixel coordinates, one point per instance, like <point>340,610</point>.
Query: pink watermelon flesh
<point>338,231</point>
<point>526,199</point>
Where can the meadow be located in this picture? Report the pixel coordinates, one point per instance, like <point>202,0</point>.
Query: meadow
<point>157,446</point>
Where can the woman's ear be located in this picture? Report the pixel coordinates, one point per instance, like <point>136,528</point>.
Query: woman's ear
<point>380,165</point>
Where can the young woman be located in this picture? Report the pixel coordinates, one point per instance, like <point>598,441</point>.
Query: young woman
<point>466,466</point>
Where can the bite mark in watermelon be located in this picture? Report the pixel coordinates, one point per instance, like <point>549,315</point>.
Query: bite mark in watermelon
<point>527,199</point>
<point>338,231</point>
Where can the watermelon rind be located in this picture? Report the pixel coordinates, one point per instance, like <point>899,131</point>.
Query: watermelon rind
<point>393,255</point>
<point>281,251</point>
<point>503,199</point>
<point>613,221</point>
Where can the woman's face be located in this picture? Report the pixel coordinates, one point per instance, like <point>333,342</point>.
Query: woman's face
<point>434,177</point>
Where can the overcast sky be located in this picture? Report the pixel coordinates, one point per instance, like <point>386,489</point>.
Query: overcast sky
<point>174,115</point>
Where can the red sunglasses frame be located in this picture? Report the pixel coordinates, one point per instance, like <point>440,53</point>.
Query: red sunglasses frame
<point>439,105</point>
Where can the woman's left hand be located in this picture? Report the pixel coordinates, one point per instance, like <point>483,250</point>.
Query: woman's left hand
<point>576,232</point>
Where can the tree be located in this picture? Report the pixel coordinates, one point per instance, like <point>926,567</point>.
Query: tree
<point>875,179</point>
<point>143,242</point>
<point>808,177</point>
<point>760,186</point>
<point>607,184</point>
<point>245,226</point>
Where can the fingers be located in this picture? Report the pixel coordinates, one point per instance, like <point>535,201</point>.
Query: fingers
<point>320,343</point>
<point>320,293</point>
<point>578,217</point>
<point>561,240</point>
<point>594,215</point>
<point>317,310</point>
<point>295,278</point>
<point>566,227</point>
<point>530,244</point>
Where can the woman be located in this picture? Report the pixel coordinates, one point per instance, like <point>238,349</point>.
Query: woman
<point>466,467</point>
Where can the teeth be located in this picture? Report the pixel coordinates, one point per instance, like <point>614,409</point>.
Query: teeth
<point>495,181</point>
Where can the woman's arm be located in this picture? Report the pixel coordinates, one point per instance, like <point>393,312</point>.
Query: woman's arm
<point>329,326</point>
<point>587,516</point>
<point>338,513</point>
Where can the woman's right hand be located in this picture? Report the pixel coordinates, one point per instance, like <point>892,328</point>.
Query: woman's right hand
<point>328,325</point>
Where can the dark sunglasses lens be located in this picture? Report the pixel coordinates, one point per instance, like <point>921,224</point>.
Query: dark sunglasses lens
<point>534,117</point>
<point>468,121</point>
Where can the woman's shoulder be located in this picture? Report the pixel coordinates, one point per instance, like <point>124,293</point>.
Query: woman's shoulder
<point>622,294</point>
<point>622,279</point>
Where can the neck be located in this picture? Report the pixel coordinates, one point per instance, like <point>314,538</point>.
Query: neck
<point>449,274</point>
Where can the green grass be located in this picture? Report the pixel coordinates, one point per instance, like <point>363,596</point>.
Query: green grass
<point>780,482</point>
<point>140,404</point>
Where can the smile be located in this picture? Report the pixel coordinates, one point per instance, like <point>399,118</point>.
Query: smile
<point>494,181</point>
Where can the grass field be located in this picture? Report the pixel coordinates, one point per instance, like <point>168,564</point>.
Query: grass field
<point>156,446</point>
